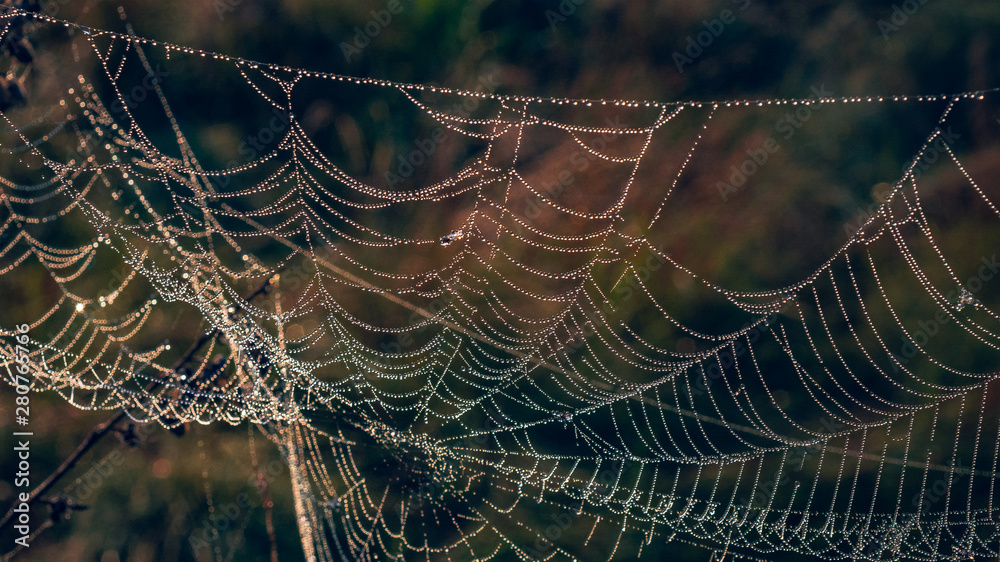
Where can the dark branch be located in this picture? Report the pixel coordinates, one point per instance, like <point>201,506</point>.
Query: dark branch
<point>105,427</point>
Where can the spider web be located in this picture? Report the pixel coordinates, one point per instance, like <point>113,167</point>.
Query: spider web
<point>478,358</point>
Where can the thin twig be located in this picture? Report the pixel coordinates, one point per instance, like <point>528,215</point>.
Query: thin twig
<point>105,427</point>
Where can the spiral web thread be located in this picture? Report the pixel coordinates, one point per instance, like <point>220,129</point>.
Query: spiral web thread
<point>524,407</point>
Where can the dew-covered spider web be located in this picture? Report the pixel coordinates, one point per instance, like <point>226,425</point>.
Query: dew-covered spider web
<point>501,342</point>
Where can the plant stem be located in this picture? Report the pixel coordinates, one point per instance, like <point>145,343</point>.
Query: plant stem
<point>103,428</point>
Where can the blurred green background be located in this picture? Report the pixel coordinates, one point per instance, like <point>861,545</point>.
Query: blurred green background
<point>147,503</point>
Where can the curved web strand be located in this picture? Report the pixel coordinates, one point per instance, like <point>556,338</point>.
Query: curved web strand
<point>504,361</point>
